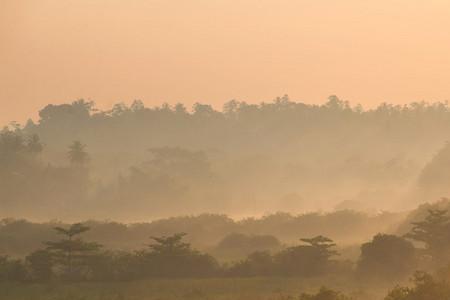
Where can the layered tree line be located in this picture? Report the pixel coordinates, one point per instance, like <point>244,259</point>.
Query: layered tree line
<point>222,236</point>
<point>386,258</point>
<point>77,162</point>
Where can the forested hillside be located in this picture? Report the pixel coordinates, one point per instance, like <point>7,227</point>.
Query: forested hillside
<point>134,163</point>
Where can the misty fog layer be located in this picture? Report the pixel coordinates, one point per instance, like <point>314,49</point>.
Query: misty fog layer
<point>135,163</point>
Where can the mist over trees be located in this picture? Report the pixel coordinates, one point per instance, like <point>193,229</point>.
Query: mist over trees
<point>386,259</point>
<point>77,162</point>
<point>218,234</point>
<point>276,190</point>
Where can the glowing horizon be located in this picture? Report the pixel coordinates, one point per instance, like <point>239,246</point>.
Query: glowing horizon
<point>213,51</point>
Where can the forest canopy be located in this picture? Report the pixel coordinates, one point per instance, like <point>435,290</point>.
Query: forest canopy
<point>77,162</point>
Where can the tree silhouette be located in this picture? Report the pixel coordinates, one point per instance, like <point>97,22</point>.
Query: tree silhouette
<point>170,245</point>
<point>433,232</point>
<point>386,257</point>
<point>169,256</point>
<point>71,251</point>
<point>40,265</point>
<point>306,260</point>
<point>323,245</point>
<point>77,154</point>
<point>34,144</point>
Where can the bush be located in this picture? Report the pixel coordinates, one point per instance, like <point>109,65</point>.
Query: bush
<point>324,294</point>
<point>387,257</point>
<point>40,265</point>
<point>425,288</point>
<point>12,270</point>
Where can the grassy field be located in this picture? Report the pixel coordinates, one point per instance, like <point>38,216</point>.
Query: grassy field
<point>223,289</point>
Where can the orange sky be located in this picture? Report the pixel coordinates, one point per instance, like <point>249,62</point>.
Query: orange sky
<point>365,51</point>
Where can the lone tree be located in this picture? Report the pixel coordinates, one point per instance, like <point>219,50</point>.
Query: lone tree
<point>77,154</point>
<point>71,252</point>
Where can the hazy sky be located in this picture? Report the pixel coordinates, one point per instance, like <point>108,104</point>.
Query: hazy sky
<point>216,50</point>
